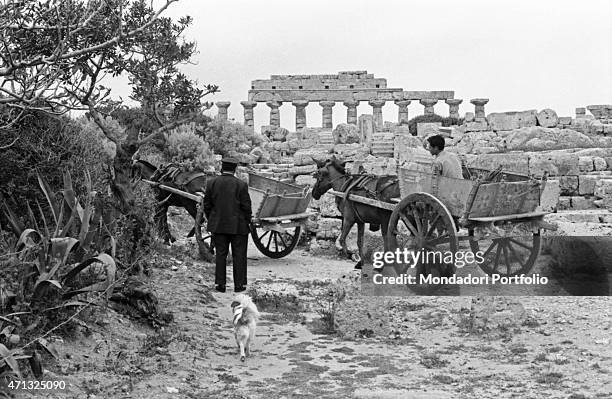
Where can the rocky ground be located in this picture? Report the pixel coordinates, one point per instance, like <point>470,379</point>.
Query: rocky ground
<point>380,347</point>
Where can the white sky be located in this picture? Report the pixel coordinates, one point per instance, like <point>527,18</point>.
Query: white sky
<point>521,54</point>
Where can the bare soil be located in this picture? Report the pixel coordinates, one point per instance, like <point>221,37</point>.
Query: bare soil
<point>420,351</point>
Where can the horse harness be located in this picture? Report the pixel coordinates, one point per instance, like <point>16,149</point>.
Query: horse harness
<point>360,182</point>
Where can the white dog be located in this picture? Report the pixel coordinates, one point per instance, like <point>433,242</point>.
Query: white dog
<point>245,322</point>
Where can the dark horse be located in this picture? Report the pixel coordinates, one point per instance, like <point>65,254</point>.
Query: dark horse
<point>331,174</point>
<point>191,182</point>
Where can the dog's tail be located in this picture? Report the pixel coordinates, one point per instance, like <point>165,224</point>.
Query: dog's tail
<point>243,307</point>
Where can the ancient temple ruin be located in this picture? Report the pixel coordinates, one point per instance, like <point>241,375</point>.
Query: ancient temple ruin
<point>348,87</point>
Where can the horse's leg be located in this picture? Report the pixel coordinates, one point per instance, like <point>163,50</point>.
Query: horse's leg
<point>348,221</point>
<point>360,231</point>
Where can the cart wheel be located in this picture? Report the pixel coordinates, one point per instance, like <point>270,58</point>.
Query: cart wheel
<point>274,244</point>
<point>509,256</point>
<point>421,223</point>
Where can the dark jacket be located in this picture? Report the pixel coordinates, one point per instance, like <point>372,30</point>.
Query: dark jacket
<point>227,205</point>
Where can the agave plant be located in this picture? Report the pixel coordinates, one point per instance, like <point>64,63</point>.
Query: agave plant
<point>52,245</point>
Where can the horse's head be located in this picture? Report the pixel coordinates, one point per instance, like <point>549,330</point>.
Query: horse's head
<point>328,172</point>
<point>142,169</point>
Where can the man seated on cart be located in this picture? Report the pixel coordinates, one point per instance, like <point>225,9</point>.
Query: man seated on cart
<point>447,163</point>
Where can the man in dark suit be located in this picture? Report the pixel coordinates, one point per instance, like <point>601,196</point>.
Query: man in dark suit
<point>227,206</point>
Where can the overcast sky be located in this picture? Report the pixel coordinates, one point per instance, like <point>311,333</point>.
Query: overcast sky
<point>521,54</point>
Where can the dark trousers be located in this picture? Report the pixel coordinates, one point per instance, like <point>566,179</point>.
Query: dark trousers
<point>239,245</point>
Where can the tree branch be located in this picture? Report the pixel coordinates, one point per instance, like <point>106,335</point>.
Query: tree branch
<point>10,145</point>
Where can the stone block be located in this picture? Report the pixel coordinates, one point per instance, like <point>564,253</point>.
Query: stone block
<point>406,154</point>
<point>565,120</point>
<point>550,196</point>
<point>586,184</point>
<point>547,118</point>
<point>585,164</point>
<point>568,185</point>
<point>583,216</point>
<point>599,164</point>
<point>426,129</point>
<point>476,126</point>
<point>469,117</point>
<point>350,152</point>
<point>302,170</point>
<point>326,206</point>
<point>346,134</point>
<point>607,129</point>
<point>603,188</point>
<point>564,203</point>
<point>580,203</point>
<point>305,156</point>
<point>511,162</point>
<point>545,139</point>
<point>505,121</point>
<point>328,228</point>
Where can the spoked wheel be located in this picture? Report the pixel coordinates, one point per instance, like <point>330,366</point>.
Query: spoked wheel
<point>275,244</point>
<point>507,256</point>
<point>424,226</point>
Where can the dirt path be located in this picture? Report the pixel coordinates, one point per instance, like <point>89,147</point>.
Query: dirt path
<point>420,352</point>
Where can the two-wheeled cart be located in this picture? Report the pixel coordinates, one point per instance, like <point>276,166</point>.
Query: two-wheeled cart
<point>497,213</point>
<point>279,213</point>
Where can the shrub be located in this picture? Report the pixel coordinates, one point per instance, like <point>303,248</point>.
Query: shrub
<point>47,145</point>
<point>446,121</point>
<point>188,150</point>
<point>224,137</point>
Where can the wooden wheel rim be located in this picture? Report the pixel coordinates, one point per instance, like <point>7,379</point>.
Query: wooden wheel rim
<point>431,226</point>
<point>511,256</point>
<point>274,244</point>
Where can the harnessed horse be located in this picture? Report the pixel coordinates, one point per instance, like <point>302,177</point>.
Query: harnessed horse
<point>332,174</point>
<point>190,182</point>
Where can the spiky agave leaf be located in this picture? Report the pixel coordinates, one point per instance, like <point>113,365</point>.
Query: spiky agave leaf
<point>7,357</point>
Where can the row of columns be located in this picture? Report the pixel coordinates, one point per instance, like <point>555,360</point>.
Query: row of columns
<point>351,112</point>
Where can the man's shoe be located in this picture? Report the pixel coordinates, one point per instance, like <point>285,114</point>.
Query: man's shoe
<point>239,289</point>
<point>220,288</point>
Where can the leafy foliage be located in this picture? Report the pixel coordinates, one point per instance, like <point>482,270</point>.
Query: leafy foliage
<point>47,145</point>
<point>446,121</point>
<point>188,150</point>
<point>226,136</point>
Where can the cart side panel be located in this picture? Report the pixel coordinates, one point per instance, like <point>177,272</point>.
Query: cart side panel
<point>257,199</point>
<point>274,186</point>
<point>453,193</point>
<point>505,198</point>
<point>279,205</point>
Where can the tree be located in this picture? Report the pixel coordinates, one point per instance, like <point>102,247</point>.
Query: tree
<point>55,53</point>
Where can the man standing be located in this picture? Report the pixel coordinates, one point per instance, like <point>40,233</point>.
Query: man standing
<point>227,206</point>
<point>447,163</point>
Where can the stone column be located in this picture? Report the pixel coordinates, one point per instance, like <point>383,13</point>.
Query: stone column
<point>453,107</point>
<point>580,112</point>
<point>402,110</point>
<point>428,103</point>
<point>377,113</point>
<point>300,113</point>
<point>479,103</point>
<point>248,113</point>
<point>327,113</point>
<point>274,112</point>
<point>351,111</point>
<point>222,106</point>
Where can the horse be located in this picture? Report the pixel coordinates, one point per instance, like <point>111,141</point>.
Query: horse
<point>191,182</point>
<point>332,174</point>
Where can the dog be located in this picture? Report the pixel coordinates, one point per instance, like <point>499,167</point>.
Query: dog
<point>245,322</point>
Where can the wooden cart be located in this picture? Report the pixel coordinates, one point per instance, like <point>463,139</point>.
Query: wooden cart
<point>498,214</point>
<point>279,212</point>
